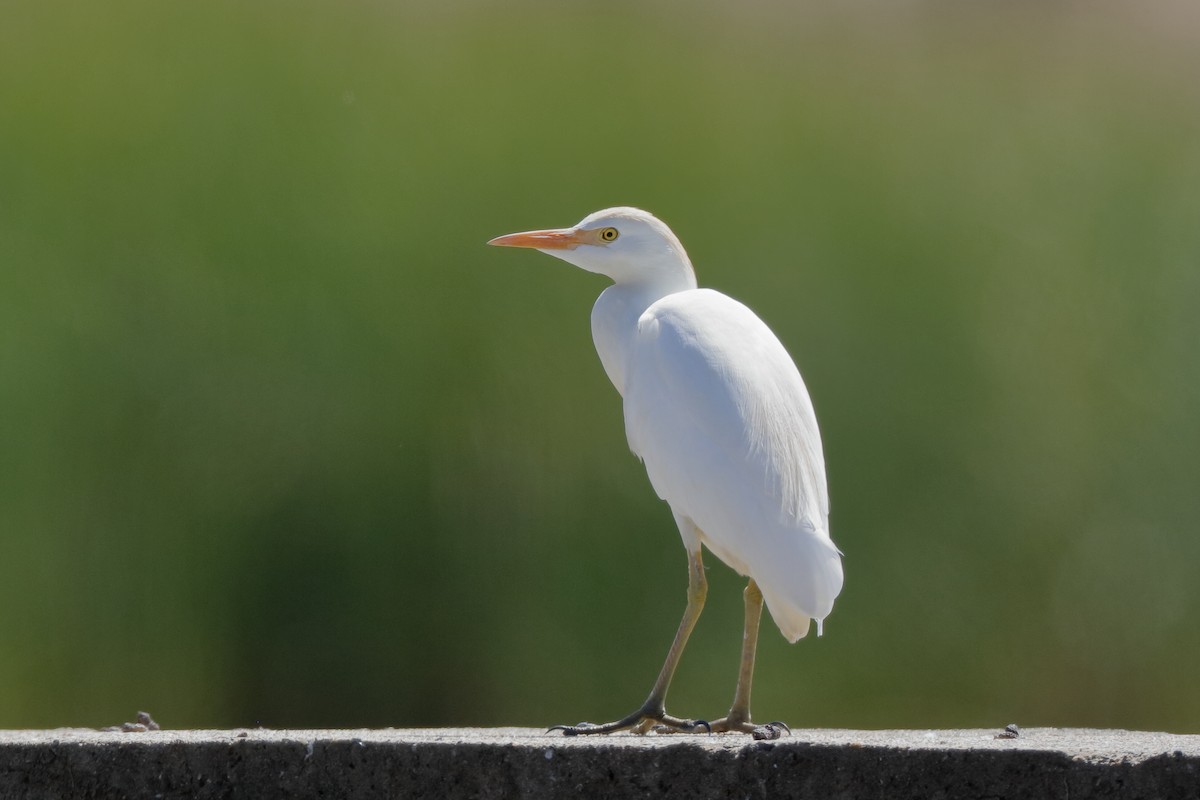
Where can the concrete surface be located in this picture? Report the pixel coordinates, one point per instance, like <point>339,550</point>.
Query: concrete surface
<point>520,762</point>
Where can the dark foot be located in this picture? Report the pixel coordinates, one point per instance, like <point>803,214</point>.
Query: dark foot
<point>772,730</point>
<point>641,721</point>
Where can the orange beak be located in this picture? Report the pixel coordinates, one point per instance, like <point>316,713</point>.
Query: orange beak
<point>557,239</point>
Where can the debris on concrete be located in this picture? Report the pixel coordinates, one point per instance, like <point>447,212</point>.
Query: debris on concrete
<point>144,723</point>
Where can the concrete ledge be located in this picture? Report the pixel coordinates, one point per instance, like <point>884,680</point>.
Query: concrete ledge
<point>519,762</point>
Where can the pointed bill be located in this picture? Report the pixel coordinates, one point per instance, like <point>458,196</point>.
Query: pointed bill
<point>555,239</point>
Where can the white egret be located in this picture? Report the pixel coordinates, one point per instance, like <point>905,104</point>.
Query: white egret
<point>718,413</point>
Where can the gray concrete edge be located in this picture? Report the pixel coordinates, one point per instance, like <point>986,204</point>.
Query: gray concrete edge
<point>521,762</point>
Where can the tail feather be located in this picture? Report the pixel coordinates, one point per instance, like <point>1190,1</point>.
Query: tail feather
<point>801,586</point>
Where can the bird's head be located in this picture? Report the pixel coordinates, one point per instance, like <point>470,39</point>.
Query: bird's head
<point>626,244</point>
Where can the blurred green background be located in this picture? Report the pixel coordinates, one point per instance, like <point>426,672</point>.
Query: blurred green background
<point>283,443</point>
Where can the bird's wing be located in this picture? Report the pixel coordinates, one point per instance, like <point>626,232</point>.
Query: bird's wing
<point>710,363</point>
<point>718,412</point>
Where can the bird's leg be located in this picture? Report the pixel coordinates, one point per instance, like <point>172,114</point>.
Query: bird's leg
<point>653,712</point>
<point>738,718</point>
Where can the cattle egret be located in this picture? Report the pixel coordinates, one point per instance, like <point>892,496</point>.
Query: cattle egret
<point>716,410</point>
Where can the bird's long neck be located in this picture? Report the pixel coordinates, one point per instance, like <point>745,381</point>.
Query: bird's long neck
<point>615,319</point>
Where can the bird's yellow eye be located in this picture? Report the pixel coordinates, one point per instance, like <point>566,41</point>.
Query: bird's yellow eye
<point>609,234</point>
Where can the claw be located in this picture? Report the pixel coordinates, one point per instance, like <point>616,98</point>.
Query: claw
<point>772,730</point>
<point>571,730</point>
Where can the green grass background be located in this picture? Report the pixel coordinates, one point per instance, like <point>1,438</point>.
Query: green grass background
<point>283,443</point>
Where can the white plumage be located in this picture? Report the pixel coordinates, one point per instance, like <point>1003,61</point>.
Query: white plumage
<point>719,414</point>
